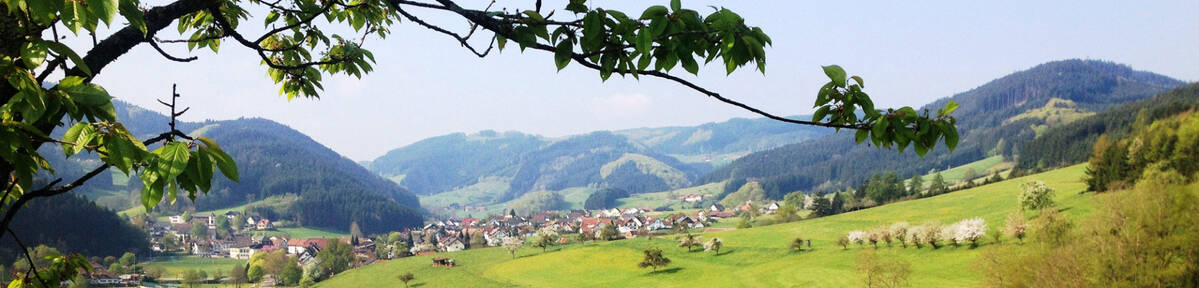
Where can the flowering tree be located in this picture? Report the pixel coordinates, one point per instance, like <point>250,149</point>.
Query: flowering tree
<point>873,237</point>
<point>970,230</point>
<point>512,244</point>
<point>689,240</point>
<point>1035,195</point>
<point>1017,226</point>
<point>931,233</point>
<point>899,230</point>
<point>857,236</point>
<point>714,245</point>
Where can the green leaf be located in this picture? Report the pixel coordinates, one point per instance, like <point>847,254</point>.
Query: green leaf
<point>675,5</point>
<point>103,9</point>
<point>859,80</point>
<point>533,14</point>
<point>820,114</point>
<point>72,135</point>
<point>87,133</point>
<point>34,54</point>
<point>270,18</point>
<point>951,135</point>
<point>836,74</point>
<point>64,50</point>
<point>653,12</point>
<point>645,41</point>
<point>949,107</point>
<point>861,135</point>
<point>222,160</point>
<point>921,150</point>
<point>500,41</point>
<point>120,153</point>
<point>172,159</point>
<point>203,170</point>
<point>688,63</point>
<point>562,54</point>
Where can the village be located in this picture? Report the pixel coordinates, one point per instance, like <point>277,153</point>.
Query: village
<point>213,236</point>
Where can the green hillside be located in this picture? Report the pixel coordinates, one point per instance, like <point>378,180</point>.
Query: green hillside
<point>755,257</point>
<point>995,118</point>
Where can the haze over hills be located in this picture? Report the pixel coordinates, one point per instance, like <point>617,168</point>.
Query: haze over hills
<point>993,119</point>
<point>637,160</point>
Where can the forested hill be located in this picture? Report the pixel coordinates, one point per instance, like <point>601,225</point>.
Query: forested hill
<point>1074,142</point>
<point>723,141</point>
<point>272,159</point>
<point>334,191</point>
<point>636,160</point>
<point>441,163</point>
<point>995,118</point>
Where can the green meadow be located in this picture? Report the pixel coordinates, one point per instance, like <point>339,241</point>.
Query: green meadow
<point>754,257</point>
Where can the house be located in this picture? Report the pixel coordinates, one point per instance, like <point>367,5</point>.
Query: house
<point>232,215</point>
<point>240,252</point>
<point>716,207</point>
<point>657,224</point>
<point>251,221</point>
<point>773,207</point>
<point>692,198</point>
<point>103,279</point>
<point>298,246</point>
<point>264,224</point>
<point>452,245</point>
<point>177,219</point>
<point>749,205</point>
<point>201,249</point>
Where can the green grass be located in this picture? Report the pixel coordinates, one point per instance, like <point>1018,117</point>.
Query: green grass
<point>658,199</point>
<point>304,232</point>
<point>487,191</point>
<point>983,168</point>
<point>754,257</point>
<point>176,265</point>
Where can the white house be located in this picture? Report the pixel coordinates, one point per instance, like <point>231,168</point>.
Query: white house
<point>177,219</point>
<point>240,252</point>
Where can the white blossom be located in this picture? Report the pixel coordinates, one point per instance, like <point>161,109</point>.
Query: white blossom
<point>970,230</point>
<point>857,236</point>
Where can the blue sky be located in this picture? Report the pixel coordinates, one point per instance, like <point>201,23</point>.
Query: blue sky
<point>909,52</point>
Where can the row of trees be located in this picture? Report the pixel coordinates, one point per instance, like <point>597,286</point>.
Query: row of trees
<point>932,233</point>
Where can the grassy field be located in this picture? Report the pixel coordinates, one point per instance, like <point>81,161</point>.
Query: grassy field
<point>755,257</point>
<point>983,168</point>
<point>658,199</point>
<point>304,232</point>
<point>487,191</point>
<point>175,266</point>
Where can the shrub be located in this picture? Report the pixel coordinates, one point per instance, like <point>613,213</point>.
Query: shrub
<point>1016,226</point>
<point>883,272</point>
<point>1035,195</point>
<point>1053,228</point>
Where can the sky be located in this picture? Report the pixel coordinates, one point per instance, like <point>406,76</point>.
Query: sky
<point>424,85</point>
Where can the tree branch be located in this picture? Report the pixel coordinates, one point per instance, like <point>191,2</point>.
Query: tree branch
<point>461,39</point>
<point>32,267</point>
<point>500,28</point>
<point>49,190</point>
<point>168,56</point>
